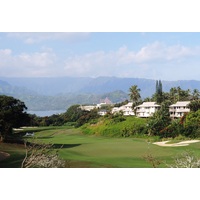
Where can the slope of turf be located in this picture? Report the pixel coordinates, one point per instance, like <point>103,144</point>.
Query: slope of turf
<point>116,127</point>
<point>98,151</point>
<point>82,150</point>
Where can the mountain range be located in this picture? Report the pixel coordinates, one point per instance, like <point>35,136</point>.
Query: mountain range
<point>55,93</point>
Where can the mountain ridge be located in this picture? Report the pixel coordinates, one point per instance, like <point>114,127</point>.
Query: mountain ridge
<point>60,92</point>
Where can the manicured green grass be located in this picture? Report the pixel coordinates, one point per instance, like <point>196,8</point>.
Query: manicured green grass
<point>100,151</point>
<point>82,150</point>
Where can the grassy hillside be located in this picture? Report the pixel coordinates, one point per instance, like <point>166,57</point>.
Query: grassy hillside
<point>116,127</point>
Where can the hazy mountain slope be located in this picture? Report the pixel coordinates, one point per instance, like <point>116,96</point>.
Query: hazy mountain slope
<point>3,86</point>
<point>62,102</point>
<point>61,92</point>
<point>100,85</point>
<point>64,85</point>
<point>107,84</point>
<point>8,89</point>
<point>184,84</point>
<point>49,86</point>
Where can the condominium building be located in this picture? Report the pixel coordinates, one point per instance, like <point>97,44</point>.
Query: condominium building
<point>178,109</point>
<point>147,109</point>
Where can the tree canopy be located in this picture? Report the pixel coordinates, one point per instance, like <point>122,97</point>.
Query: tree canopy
<point>12,115</point>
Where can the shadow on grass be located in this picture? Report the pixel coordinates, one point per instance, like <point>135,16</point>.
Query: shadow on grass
<point>64,146</point>
<point>43,137</point>
<point>14,161</point>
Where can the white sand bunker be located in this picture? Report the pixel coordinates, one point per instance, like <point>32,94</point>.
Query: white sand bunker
<point>179,144</point>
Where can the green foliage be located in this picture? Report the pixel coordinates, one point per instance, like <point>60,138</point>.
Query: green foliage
<point>116,126</point>
<point>134,93</point>
<point>73,113</point>
<point>195,94</point>
<point>139,129</point>
<point>175,94</point>
<point>174,129</point>
<point>76,114</point>
<point>121,104</point>
<point>194,105</point>
<point>53,120</point>
<point>159,92</point>
<point>159,121</point>
<point>187,126</point>
<point>192,125</point>
<point>117,117</point>
<point>12,114</point>
<point>178,94</point>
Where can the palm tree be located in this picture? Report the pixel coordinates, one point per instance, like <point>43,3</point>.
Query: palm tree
<point>134,93</point>
<point>179,92</point>
<point>173,92</point>
<point>195,94</point>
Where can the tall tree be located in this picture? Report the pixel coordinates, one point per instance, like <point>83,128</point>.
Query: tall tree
<point>194,105</point>
<point>195,94</point>
<point>12,114</point>
<point>173,94</point>
<point>159,92</point>
<point>134,94</point>
<point>177,94</point>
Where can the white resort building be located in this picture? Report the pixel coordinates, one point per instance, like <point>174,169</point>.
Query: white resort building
<point>126,109</point>
<point>102,112</point>
<point>103,102</point>
<point>88,107</point>
<point>147,109</point>
<point>179,109</point>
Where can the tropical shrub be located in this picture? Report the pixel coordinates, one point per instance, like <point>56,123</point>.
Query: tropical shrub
<point>192,125</point>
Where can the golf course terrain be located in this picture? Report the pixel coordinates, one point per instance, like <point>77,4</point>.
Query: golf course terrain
<point>94,151</point>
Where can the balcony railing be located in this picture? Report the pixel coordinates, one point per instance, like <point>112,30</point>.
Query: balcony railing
<point>179,110</point>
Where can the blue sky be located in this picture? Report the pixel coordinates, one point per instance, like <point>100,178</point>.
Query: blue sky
<point>152,55</point>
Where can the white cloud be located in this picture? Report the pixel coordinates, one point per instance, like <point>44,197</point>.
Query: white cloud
<point>123,61</point>
<point>161,52</point>
<point>5,52</point>
<point>155,60</point>
<point>24,64</point>
<point>37,37</point>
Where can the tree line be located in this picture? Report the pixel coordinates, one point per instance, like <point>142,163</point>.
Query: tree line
<point>175,94</point>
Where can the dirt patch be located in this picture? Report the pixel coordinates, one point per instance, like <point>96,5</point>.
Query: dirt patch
<point>3,155</point>
<point>179,144</point>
